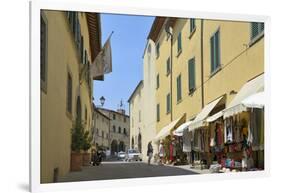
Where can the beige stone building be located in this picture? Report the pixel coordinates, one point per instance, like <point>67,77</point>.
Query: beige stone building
<point>201,65</point>
<point>70,41</point>
<point>119,132</point>
<point>136,115</point>
<point>100,130</point>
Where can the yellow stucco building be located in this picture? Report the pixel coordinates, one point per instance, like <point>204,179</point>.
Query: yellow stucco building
<point>69,43</point>
<point>199,61</point>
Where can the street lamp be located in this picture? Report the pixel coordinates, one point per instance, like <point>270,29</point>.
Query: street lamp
<point>102,100</point>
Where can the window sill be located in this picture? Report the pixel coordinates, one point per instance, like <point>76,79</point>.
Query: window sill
<point>179,101</point>
<point>191,91</point>
<point>44,86</point>
<point>69,115</point>
<point>256,39</point>
<point>215,71</point>
<point>191,33</point>
<point>168,74</point>
<point>179,53</point>
<point>167,113</point>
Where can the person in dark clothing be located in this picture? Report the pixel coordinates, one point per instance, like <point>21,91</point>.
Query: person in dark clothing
<point>149,152</point>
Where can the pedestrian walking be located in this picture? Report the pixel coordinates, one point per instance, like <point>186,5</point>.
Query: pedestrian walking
<point>149,152</point>
<point>161,152</point>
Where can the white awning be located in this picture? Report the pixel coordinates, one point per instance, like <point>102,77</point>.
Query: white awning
<point>255,101</point>
<point>199,121</point>
<point>165,131</point>
<point>214,117</point>
<point>251,87</point>
<point>181,128</point>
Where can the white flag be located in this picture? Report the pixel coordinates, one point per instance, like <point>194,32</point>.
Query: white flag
<point>103,62</point>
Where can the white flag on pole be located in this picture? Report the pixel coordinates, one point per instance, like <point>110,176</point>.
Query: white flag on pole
<point>103,62</point>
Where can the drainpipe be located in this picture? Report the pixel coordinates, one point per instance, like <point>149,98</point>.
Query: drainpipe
<point>202,63</point>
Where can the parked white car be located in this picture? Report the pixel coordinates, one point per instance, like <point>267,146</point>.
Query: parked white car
<point>121,155</point>
<point>133,155</point>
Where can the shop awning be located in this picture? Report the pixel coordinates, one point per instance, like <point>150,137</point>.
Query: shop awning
<point>255,101</point>
<point>165,131</point>
<point>181,128</point>
<point>214,117</point>
<point>199,121</point>
<point>251,87</point>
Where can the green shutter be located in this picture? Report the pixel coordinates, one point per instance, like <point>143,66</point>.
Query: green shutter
<point>212,54</point>
<point>168,66</point>
<point>217,64</point>
<point>179,42</point>
<point>191,74</point>
<point>179,88</point>
<point>254,29</point>
<point>168,103</point>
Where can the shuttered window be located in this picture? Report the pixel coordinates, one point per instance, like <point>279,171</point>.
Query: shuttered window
<point>157,50</point>
<point>157,81</point>
<point>179,43</point>
<point>69,93</point>
<point>256,29</point>
<point>215,52</point>
<point>168,66</point>
<point>82,50</point>
<point>179,96</point>
<point>168,103</point>
<point>191,75</point>
<point>158,112</point>
<point>192,25</point>
<point>43,48</point>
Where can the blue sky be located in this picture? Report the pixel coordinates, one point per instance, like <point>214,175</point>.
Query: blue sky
<point>127,43</point>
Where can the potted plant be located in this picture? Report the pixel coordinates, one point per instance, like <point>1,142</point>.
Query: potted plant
<point>86,146</point>
<point>76,146</point>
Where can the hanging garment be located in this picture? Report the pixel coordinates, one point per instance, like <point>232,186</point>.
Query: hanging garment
<point>187,137</point>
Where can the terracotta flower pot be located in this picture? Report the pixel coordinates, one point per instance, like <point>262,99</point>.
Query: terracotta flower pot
<point>86,159</point>
<point>76,161</point>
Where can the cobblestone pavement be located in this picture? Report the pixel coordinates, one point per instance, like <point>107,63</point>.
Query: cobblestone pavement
<point>121,170</point>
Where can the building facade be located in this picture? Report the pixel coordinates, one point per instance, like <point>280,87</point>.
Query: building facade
<point>69,43</point>
<point>199,62</point>
<point>100,130</point>
<point>136,104</point>
<point>119,132</point>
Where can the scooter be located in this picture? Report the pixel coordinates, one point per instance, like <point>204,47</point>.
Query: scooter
<point>97,159</point>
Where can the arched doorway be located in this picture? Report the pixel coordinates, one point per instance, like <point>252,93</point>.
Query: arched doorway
<point>121,146</point>
<point>139,142</point>
<point>114,147</point>
<point>133,143</point>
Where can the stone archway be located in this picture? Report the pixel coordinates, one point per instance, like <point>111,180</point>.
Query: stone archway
<point>114,147</point>
<point>121,146</point>
<point>139,142</point>
<point>133,143</point>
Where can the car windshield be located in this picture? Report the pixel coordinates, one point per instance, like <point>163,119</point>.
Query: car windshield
<point>132,151</point>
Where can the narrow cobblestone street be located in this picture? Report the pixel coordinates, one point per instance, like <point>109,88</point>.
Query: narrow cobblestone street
<point>122,170</point>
